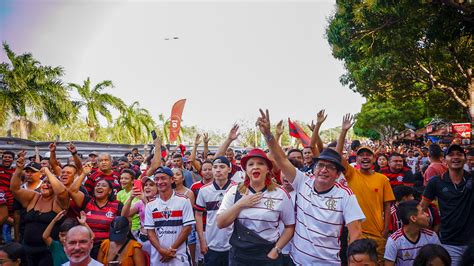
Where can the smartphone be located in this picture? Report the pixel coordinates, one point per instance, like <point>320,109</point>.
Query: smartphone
<point>153,134</point>
<point>137,185</point>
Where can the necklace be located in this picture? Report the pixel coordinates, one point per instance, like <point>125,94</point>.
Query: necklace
<point>456,187</point>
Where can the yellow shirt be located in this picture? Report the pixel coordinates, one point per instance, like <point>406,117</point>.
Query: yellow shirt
<point>371,192</point>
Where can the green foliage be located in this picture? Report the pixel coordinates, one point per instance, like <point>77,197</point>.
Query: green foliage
<point>29,88</point>
<point>134,124</point>
<point>400,50</point>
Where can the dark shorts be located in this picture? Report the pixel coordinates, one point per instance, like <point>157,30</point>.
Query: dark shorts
<point>217,258</point>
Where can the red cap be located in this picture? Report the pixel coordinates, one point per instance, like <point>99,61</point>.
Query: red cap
<point>255,153</point>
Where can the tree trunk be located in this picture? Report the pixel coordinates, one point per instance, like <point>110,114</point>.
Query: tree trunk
<point>92,133</point>
<point>23,125</point>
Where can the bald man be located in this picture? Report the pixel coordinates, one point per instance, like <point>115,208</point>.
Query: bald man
<point>78,246</point>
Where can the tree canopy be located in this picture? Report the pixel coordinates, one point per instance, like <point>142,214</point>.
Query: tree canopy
<point>399,51</point>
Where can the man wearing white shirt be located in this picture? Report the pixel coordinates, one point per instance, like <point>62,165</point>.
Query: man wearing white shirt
<point>78,246</point>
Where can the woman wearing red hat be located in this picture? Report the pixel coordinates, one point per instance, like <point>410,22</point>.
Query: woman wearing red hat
<point>256,207</point>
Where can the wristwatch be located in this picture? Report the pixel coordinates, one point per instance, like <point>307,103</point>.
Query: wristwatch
<point>278,249</point>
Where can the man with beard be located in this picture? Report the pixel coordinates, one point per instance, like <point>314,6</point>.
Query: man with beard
<point>372,189</point>
<point>104,172</point>
<point>396,172</point>
<point>78,246</point>
<point>455,196</point>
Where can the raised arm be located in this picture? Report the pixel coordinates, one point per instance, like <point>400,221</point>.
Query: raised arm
<point>47,232</point>
<point>279,131</point>
<point>196,165</point>
<point>77,160</point>
<point>263,123</point>
<point>128,210</point>
<point>37,155</point>
<point>24,196</point>
<point>206,146</point>
<point>347,122</point>
<point>77,195</point>
<point>316,142</point>
<point>53,160</point>
<point>156,161</point>
<point>233,135</point>
<point>60,191</point>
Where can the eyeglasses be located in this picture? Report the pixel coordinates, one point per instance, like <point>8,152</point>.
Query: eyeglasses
<point>328,166</point>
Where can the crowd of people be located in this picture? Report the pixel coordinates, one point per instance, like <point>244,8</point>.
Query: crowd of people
<point>339,203</point>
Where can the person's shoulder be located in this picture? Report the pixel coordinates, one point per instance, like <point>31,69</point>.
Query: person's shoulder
<point>196,185</point>
<point>396,235</point>
<point>93,262</point>
<point>344,189</point>
<point>427,232</point>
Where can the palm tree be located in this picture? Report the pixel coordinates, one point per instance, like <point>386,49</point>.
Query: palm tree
<point>135,123</point>
<point>28,88</point>
<point>95,102</point>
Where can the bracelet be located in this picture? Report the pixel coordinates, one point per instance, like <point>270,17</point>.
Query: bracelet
<point>268,137</point>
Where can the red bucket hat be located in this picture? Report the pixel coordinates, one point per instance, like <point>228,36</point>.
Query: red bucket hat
<point>255,153</point>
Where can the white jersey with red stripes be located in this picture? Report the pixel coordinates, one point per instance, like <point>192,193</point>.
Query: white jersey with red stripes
<point>402,251</point>
<point>320,218</point>
<point>274,208</point>
<point>168,219</point>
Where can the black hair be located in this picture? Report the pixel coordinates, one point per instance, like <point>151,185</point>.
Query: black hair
<point>238,157</point>
<point>187,153</point>
<point>127,153</point>
<point>470,152</point>
<point>402,191</point>
<point>9,152</point>
<point>406,210</point>
<point>468,256</point>
<point>130,172</point>
<point>149,158</point>
<point>294,150</point>
<point>431,251</point>
<point>332,144</point>
<point>15,251</point>
<point>355,144</point>
<point>395,154</point>
<point>363,246</point>
<point>207,161</point>
<point>177,155</point>
<point>67,224</point>
<point>435,151</point>
<point>135,149</point>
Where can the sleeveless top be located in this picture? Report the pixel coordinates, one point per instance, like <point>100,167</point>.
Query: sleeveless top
<point>35,224</point>
<point>126,256</point>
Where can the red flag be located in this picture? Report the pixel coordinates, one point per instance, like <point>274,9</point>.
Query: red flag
<point>175,119</point>
<point>297,132</point>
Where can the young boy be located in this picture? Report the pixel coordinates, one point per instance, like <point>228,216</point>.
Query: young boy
<point>403,194</point>
<point>56,247</point>
<point>403,245</point>
<point>126,182</point>
<point>362,252</point>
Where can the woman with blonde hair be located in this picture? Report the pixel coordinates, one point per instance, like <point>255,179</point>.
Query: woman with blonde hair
<point>256,207</point>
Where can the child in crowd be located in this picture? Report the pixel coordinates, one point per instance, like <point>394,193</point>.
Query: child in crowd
<point>403,245</point>
<point>362,252</point>
<point>56,247</point>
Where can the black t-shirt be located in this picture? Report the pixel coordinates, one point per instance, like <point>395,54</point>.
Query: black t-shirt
<point>456,207</point>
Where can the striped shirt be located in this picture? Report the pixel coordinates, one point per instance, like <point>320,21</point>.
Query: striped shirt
<point>92,179</point>
<point>396,222</point>
<point>100,218</point>
<point>402,251</point>
<point>209,199</point>
<point>265,216</point>
<point>5,177</point>
<point>168,218</point>
<point>320,218</point>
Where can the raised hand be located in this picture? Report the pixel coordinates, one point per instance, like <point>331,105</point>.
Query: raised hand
<point>347,122</point>
<point>234,132</point>
<point>82,219</point>
<point>279,128</point>
<point>71,148</point>
<point>52,147</point>
<point>312,126</point>
<point>60,215</point>
<point>206,137</point>
<point>263,123</point>
<point>157,142</point>
<point>20,162</point>
<point>87,168</point>
<point>197,141</point>
<point>321,117</point>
